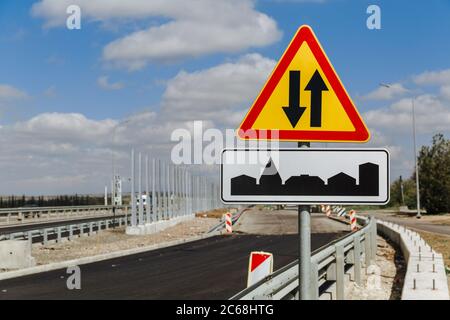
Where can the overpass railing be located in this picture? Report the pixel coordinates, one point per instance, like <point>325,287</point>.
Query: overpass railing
<point>28,215</point>
<point>330,265</point>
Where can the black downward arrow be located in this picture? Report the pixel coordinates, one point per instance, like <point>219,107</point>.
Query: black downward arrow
<point>316,85</point>
<point>294,112</point>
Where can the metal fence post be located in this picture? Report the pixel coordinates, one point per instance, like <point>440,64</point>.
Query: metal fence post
<point>153,190</point>
<point>141,202</point>
<point>169,192</point>
<point>147,191</point>
<point>133,196</point>
<point>340,272</point>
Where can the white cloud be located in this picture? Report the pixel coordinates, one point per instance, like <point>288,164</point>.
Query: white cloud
<point>192,27</point>
<point>221,93</point>
<point>103,82</point>
<point>441,77</point>
<point>8,92</point>
<point>386,93</point>
<point>432,115</point>
<point>78,149</point>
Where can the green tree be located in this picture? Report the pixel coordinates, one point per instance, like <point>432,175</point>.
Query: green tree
<point>409,193</point>
<point>434,175</point>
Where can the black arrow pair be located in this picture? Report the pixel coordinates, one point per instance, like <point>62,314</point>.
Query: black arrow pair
<point>294,111</point>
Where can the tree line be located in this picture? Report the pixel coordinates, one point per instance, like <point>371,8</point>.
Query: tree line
<point>434,179</point>
<point>41,201</point>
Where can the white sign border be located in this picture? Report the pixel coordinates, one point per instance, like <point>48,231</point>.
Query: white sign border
<point>308,202</point>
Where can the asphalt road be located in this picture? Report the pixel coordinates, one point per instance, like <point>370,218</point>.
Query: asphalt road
<point>414,223</point>
<point>213,268</point>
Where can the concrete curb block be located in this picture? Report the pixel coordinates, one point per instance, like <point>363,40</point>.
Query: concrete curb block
<point>425,267</point>
<point>101,257</point>
<point>154,227</point>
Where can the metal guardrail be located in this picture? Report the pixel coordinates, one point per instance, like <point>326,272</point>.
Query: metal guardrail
<point>70,230</point>
<point>25,215</point>
<point>329,265</point>
<point>234,218</point>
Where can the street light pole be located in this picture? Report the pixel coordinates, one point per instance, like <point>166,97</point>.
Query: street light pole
<point>418,215</point>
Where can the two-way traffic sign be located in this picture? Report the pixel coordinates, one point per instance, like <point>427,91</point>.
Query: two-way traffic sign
<point>304,99</point>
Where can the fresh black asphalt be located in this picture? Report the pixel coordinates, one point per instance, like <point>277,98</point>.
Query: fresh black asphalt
<point>213,268</point>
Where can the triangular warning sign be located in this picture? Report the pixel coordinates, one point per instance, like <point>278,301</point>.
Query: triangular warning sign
<point>304,99</point>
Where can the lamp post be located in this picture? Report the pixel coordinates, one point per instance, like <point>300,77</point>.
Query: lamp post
<point>113,169</point>
<point>413,99</point>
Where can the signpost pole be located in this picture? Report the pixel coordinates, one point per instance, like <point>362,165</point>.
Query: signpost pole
<point>304,230</point>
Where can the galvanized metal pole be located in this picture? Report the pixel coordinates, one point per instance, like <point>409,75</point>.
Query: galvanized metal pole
<point>147,192</point>
<point>418,216</point>
<point>159,215</point>
<point>141,202</point>
<point>132,195</point>
<point>304,229</point>
<point>153,189</point>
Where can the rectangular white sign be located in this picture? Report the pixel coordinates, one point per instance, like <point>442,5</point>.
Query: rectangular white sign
<point>305,176</point>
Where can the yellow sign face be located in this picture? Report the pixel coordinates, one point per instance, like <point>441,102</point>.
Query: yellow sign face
<point>304,100</point>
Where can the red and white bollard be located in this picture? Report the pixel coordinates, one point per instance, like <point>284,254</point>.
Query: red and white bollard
<point>228,222</point>
<point>260,266</point>
<point>353,225</point>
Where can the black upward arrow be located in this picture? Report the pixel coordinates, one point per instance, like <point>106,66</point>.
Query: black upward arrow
<point>316,85</point>
<point>294,112</point>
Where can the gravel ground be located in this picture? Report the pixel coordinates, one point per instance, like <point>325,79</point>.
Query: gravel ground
<point>116,240</point>
<point>386,281</point>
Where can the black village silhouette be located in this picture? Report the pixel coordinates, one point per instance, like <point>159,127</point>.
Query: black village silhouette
<point>341,184</point>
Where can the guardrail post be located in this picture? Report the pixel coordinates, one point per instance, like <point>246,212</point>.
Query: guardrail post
<point>340,272</point>
<point>374,239</point>
<point>80,227</point>
<point>71,232</point>
<point>91,228</point>
<point>314,281</point>
<point>357,260</point>
<point>58,230</point>
<point>45,236</point>
<point>367,248</point>
<point>30,238</point>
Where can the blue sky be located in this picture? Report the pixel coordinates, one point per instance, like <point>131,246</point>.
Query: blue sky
<point>56,70</point>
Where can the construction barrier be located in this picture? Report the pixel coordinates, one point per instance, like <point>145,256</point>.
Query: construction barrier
<point>353,224</point>
<point>228,222</point>
<point>259,267</point>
